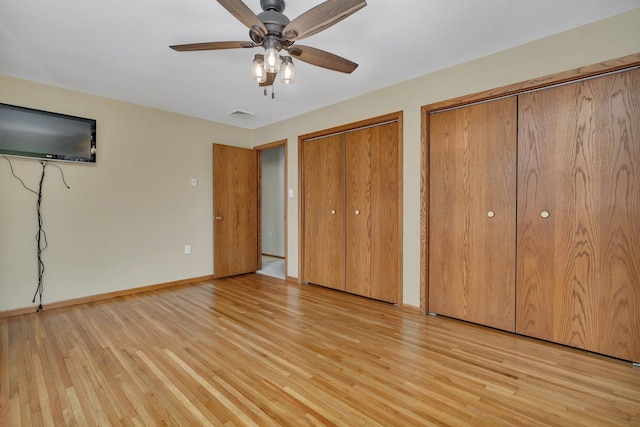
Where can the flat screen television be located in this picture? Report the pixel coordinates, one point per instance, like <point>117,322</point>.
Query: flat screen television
<point>25,132</point>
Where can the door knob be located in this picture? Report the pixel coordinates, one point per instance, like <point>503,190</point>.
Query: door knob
<point>357,212</point>
<point>218,218</point>
<point>491,214</point>
<point>333,211</point>
<point>544,214</point>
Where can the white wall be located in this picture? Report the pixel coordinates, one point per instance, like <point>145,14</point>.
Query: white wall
<point>607,39</point>
<point>126,219</point>
<point>273,201</point>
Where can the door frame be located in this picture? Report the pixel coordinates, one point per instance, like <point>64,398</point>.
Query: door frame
<point>582,73</point>
<point>259,149</point>
<point>374,121</point>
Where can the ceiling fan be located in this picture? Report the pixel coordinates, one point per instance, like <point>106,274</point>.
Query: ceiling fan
<point>273,31</point>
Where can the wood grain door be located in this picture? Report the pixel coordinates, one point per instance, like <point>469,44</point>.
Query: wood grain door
<point>372,197</point>
<point>235,210</point>
<point>579,215</point>
<point>472,213</point>
<point>358,212</point>
<point>324,212</point>
<point>386,231</point>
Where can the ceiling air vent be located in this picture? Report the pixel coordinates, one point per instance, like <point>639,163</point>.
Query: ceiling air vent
<point>241,114</point>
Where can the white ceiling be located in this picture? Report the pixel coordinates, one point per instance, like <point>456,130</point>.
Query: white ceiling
<point>119,48</point>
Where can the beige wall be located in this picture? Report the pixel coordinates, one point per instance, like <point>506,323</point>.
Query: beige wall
<point>126,219</point>
<point>611,38</point>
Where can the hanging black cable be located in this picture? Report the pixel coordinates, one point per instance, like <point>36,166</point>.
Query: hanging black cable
<point>41,235</point>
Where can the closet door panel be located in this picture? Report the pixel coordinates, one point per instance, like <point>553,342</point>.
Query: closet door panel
<point>358,212</point>
<point>324,212</point>
<point>472,213</point>
<point>539,300</point>
<point>385,194</point>
<point>579,161</point>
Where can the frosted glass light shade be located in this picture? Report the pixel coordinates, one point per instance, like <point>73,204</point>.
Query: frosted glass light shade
<point>271,60</point>
<point>288,71</point>
<point>258,72</point>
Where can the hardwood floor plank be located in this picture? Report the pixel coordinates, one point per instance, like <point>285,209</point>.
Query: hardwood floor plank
<point>191,409</point>
<point>253,350</point>
<point>76,408</point>
<point>245,420</point>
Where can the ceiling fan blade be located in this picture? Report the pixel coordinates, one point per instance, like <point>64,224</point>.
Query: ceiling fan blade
<point>321,17</point>
<point>211,46</point>
<point>243,14</point>
<point>271,77</point>
<point>322,59</point>
<point>317,29</point>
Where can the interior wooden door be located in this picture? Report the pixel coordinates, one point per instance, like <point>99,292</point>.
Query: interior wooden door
<point>358,212</point>
<point>579,215</point>
<point>386,232</point>
<point>472,213</point>
<point>324,212</point>
<point>235,210</point>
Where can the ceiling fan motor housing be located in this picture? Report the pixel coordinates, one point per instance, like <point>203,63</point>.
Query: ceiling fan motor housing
<point>272,18</point>
<point>274,21</point>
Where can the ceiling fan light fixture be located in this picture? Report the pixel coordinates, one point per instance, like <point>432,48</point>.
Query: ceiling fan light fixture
<point>288,71</point>
<point>258,72</point>
<point>275,32</point>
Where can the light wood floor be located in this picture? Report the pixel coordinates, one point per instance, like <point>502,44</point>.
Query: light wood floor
<point>254,351</point>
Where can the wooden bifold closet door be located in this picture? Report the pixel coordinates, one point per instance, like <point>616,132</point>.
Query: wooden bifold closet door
<point>579,215</point>
<point>324,214</point>
<point>564,265</point>
<point>472,213</point>
<point>372,192</point>
<point>351,211</point>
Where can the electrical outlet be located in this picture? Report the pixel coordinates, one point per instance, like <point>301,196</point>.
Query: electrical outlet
<point>187,249</point>
<point>194,182</point>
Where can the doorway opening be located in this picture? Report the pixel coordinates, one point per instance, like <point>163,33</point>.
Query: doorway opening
<point>272,207</point>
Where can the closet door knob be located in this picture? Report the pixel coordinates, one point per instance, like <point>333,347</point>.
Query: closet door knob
<point>333,211</point>
<point>491,214</point>
<point>357,212</point>
<point>544,214</point>
<point>218,218</point>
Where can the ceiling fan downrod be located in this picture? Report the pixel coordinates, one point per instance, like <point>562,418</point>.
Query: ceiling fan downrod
<point>276,5</point>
